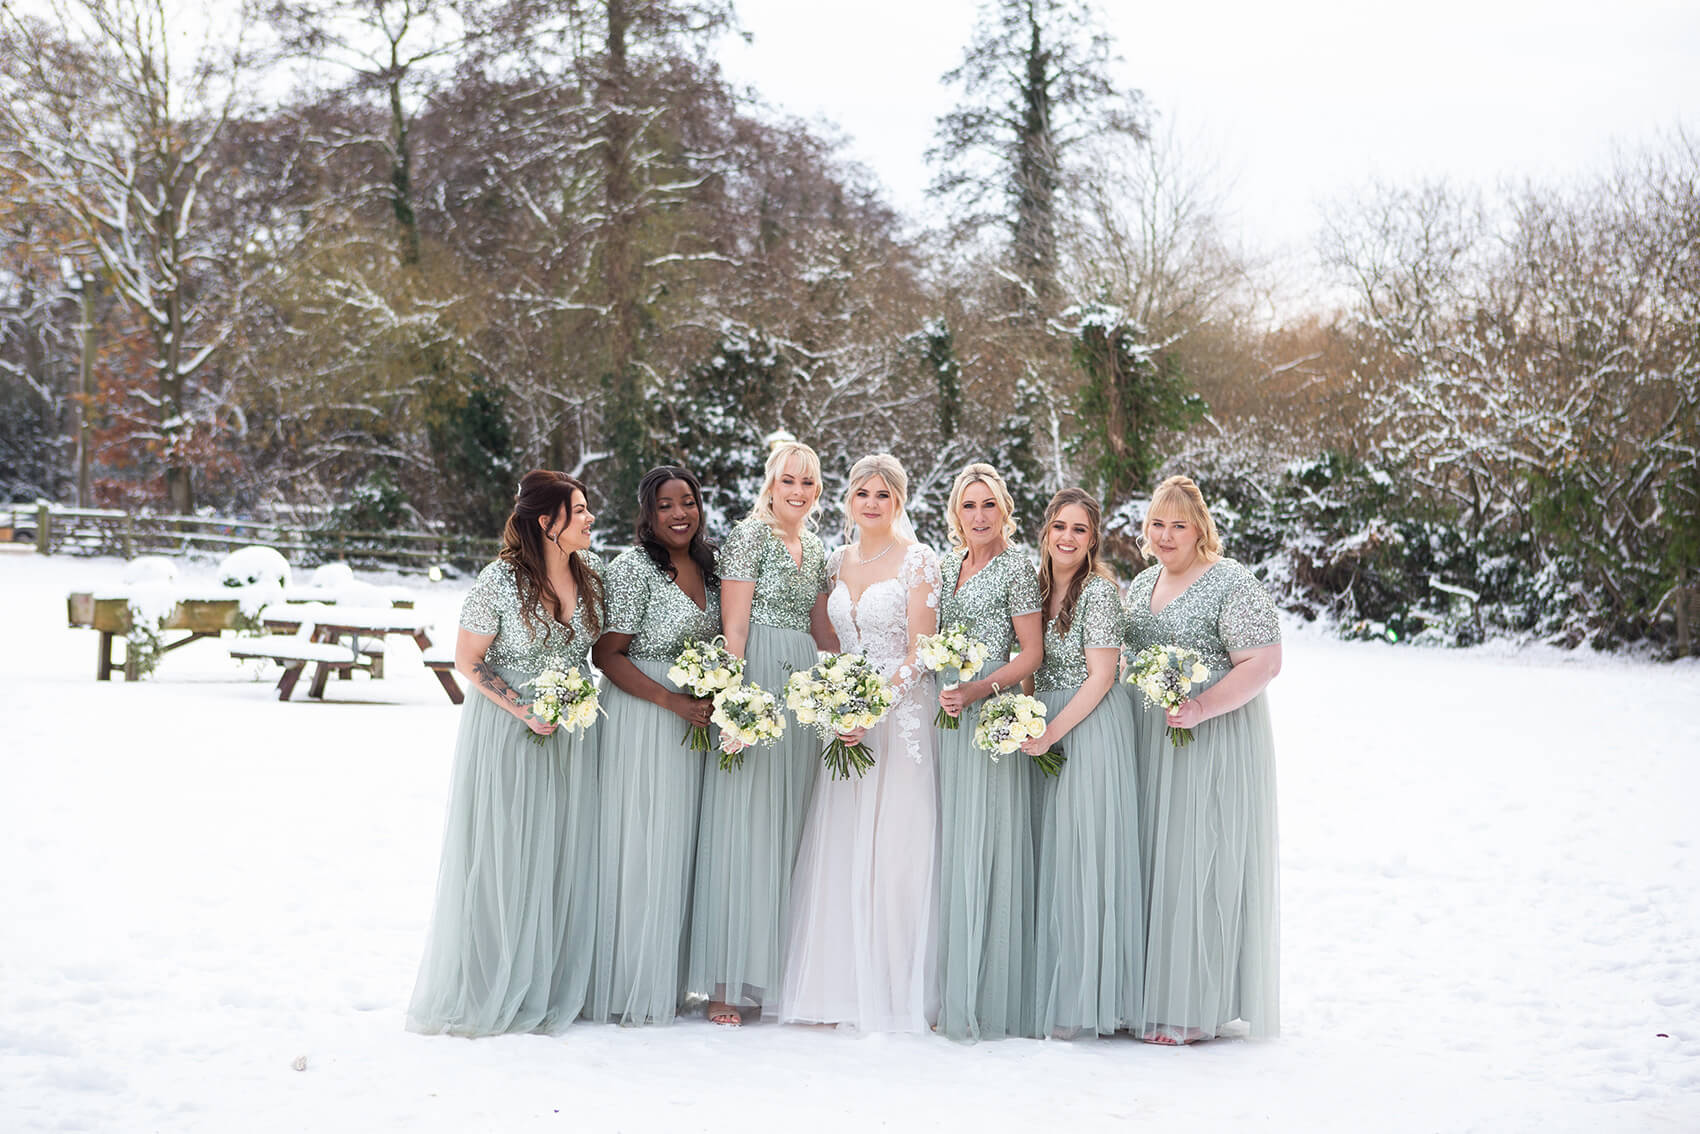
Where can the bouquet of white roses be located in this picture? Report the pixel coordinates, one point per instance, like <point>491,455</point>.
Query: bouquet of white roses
<point>843,692</point>
<point>951,649</point>
<point>747,714</point>
<point>704,669</point>
<point>1166,675</point>
<point>1010,718</point>
<point>565,699</point>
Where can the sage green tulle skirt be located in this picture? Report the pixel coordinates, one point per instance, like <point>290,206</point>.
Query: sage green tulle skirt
<point>748,830</point>
<point>509,946</point>
<point>650,784</point>
<point>1090,933</point>
<point>1208,839</point>
<point>986,887</point>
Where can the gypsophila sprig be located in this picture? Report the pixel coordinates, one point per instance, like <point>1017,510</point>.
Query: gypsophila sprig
<point>1166,675</point>
<point>747,715</point>
<point>842,693</point>
<point>704,669</point>
<point>952,648</point>
<point>565,698</point>
<point>1010,718</point>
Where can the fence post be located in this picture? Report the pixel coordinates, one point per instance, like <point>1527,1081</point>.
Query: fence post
<point>43,529</point>
<point>129,535</point>
<point>1682,600</point>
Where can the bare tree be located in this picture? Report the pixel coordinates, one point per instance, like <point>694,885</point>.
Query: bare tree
<point>112,122</point>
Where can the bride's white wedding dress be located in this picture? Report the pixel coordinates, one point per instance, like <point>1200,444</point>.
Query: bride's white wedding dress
<point>864,896</point>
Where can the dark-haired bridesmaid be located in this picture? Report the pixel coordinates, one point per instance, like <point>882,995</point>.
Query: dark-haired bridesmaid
<point>509,946</point>
<point>660,593</point>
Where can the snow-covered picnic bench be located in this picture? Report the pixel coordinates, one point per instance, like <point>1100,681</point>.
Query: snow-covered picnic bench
<point>359,633</point>
<point>294,653</point>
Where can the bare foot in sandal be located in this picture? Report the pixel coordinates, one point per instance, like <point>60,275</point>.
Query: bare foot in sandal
<point>1173,1037</point>
<point>725,1015</point>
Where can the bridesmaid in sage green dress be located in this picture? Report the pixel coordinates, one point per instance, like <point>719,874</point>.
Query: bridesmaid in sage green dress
<point>773,606</point>
<point>509,946</point>
<point>986,883</point>
<point>1207,810</point>
<point>660,593</point>
<point>1090,934</point>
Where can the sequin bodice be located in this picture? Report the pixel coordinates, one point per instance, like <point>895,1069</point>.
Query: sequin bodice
<point>1097,624</point>
<point>492,606</point>
<point>785,592</point>
<point>645,603</point>
<point>1224,610</point>
<point>1001,590</point>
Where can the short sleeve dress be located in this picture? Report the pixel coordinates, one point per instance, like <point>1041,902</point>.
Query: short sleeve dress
<point>650,787</point>
<point>1207,821</point>
<point>510,942</point>
<point>986,860</point>
<point>1090,935</point>
<point>752,817</point>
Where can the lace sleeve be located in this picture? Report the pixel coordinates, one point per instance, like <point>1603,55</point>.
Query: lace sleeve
<point>920,575</point>
<point>833,562</point>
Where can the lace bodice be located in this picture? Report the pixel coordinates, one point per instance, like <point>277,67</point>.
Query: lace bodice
<point>1097,624</point>
<point>785,592</point>
<point>1224,610</point>
<point>877,626</point>
<point>492,607</point>
<point>645,603</point>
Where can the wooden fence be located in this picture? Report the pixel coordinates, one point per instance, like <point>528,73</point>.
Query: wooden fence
<point>87,531</point>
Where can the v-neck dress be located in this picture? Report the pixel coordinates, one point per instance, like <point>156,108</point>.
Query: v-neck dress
<point>651,784</point>
<point>1207,819</point>
<point>986,859</point>
<point>752,817</point>
<point>1090,934</point>
<point>509,948</point>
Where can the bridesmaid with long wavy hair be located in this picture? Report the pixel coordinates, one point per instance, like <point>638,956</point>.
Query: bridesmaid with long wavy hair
<point>509,947</point>
<point>1090,935</point>
<point>660,593</point>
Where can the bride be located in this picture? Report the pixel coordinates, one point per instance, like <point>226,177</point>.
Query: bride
<point>864,895</point>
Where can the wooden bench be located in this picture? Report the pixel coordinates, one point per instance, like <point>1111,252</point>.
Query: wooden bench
<point>440,660</point>
<point>110,615</point>
<point>294,654</point>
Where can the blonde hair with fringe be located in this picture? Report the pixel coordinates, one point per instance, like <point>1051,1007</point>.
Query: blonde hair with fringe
<point>1178,495</point>
<point>887,468</point>
<point>986,474</point>
<point>776,462</point>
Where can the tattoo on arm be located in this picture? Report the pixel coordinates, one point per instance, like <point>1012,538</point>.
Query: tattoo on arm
<point>491,680</point>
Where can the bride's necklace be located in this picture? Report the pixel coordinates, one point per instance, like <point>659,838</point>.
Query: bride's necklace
<point>862,561</point>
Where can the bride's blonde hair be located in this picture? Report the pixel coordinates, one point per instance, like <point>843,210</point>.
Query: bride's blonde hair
<point>887,468</point>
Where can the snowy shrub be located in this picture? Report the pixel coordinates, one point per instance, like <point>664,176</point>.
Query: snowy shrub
<point>255,566</point>
<point>150,569</point>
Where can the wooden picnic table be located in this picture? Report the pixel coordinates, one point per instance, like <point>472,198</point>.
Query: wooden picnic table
<point>351,625</point>
<point>110,615</point>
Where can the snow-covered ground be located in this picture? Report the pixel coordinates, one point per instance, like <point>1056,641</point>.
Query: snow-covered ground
<point>1490,882</point>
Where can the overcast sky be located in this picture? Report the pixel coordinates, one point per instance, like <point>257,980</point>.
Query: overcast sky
<point>1295,100</point>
